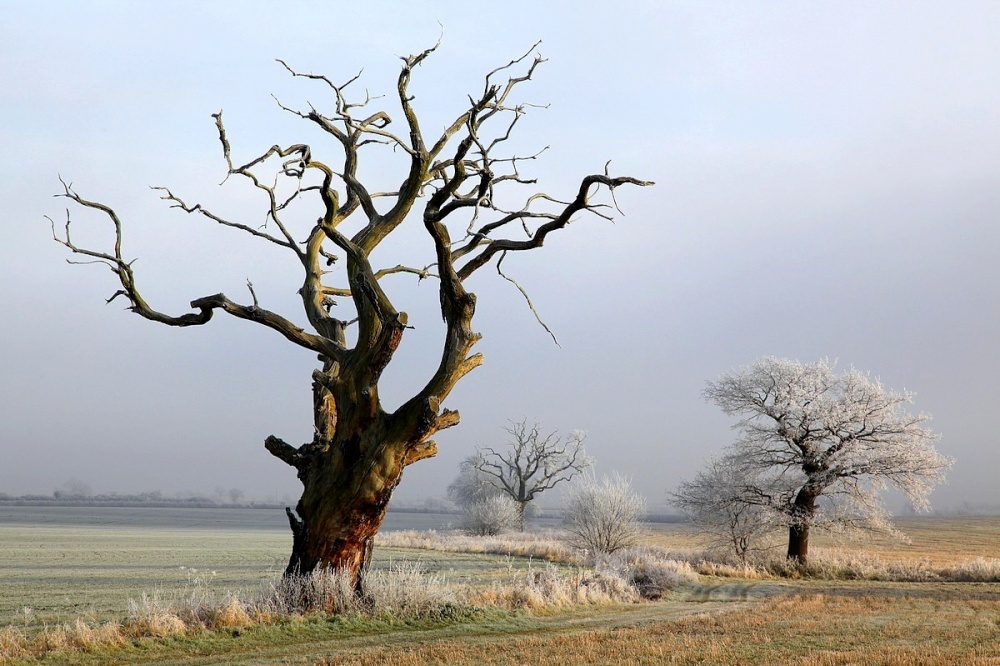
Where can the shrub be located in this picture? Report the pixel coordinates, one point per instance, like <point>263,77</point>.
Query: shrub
<point>491,515</point>
<point>603,516</point>
<point>554,588</point>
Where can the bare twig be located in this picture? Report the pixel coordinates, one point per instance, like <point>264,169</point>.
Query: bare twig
<point>527,299</point>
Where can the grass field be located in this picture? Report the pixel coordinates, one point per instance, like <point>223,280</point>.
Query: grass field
<point>53,571</point>
<point>941,540</point>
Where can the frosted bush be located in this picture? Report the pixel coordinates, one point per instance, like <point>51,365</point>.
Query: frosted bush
<point>603,516</point>
<point>491,515</point>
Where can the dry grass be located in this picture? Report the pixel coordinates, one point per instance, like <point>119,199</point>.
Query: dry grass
<point>148,617</point>
<point>78,636</point>
<point>402,593</point>
<point>542,545</point>
<point>926,621</point>
<point>843,564</point>
<point>938,540</point>
<point>807,630</point>
<point>405,591</point>
<point>826,563</point>
<point>551,588</point>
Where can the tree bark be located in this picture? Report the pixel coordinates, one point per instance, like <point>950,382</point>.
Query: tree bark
<point>798,543</point>
<point>522,506</point>
<point>344,500</point>
<point>346,491</point>
<point>803,510</point>
<point>350,470</point>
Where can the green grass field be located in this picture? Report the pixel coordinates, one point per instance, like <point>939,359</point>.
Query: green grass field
<point>62,573</point>
<point>53,571</point>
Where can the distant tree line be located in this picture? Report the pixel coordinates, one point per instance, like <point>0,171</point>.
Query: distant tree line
<point>150,499</point>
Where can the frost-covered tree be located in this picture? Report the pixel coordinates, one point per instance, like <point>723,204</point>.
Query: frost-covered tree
<point>722,501</point>
<point>603,516</point>
<point>809,433</point>
<point>532,462</point>
<point>471,485</point>
<point>490,515</point>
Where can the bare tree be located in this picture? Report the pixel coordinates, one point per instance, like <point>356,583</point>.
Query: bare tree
<point>808,433</point>
<point>603,516</point>
<point>73,489</point>
<point>464,183</point>
<point>532,462</point>
<point>722,501</point>
<point>471,485</point>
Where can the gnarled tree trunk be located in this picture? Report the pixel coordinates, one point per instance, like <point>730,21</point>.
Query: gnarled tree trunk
<point>358,452</point>
<point>351,468</point>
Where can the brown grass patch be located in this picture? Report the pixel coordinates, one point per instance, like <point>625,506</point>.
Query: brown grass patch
<point>800,630</point>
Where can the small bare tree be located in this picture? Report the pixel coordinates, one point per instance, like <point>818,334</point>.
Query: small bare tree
<point>722,501</point>
<point>603,516</point>
<point>817,446</point>
<point>471,485</point>
<point>458,188</point>
<point>532,462</point>
<point>486,510</point>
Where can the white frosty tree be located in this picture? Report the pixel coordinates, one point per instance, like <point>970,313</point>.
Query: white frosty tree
<point>723,503</point>
<point>471,485</point>
<point>491,515</point>
<point>808,432</point>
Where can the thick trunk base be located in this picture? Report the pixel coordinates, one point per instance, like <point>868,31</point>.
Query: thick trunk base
<point>345,496</point>
<point>333,541</point>
<point>798,544</point>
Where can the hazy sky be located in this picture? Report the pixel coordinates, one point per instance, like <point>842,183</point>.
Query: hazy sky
<point>827,186</point>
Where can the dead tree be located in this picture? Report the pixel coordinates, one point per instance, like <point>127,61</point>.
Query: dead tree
<point>451,187</point>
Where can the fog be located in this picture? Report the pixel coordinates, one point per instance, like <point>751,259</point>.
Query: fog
<point>827,186</point>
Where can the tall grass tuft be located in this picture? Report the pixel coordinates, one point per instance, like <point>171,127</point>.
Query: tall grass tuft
<point>13,644</point>
<point>151,616</point>
<point>552,588</point>
<point>405,590</point>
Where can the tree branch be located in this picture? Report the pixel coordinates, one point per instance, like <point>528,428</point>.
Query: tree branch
<point>205,305</point>
<point>580,203</point>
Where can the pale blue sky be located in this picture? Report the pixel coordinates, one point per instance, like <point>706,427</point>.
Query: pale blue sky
<point>827,185</point>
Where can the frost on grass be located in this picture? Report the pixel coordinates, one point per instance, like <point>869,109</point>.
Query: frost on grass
<point>842,564</point>
<point>401,593</point>
<point>649,571</point>
<point>407,591</point>
<point>404,591</point>
<point>540,545</point>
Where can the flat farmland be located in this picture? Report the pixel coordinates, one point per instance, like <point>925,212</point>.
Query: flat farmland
<point>57,565</point>
<point>67,562</point>
<point>936,539</point>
